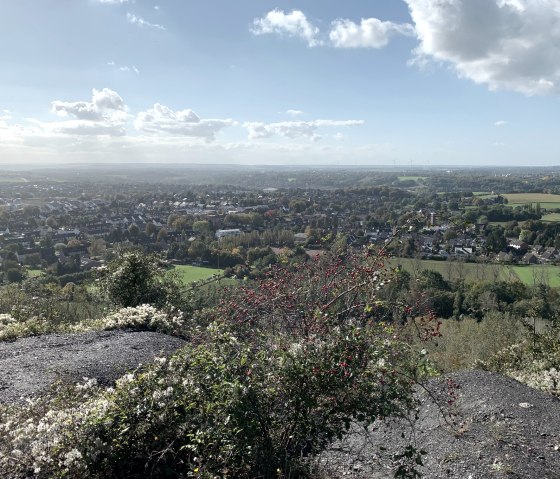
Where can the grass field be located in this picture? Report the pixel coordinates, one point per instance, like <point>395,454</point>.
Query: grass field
<point>551,218</point>
<point>546,274</point>
<point>454,270</point>
<point>188,273</point>
<point>33,273</point>
<point>414,178</point>
<point>546,200</point>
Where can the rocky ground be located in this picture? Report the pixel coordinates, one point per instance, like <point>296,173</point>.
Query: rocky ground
<point>473,425</point>
<point>29,365</point>
<point>494,428</point>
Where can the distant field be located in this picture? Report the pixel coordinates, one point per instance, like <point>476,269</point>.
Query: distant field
<point>453,270</point>
<point>12,179</point>
<point>188,273</point>
<point>551,218</point>
<point>33,273</point>
<point>546,200</point>
<point>481,193</point>
<point>546,274</point>
<point>414,178</point>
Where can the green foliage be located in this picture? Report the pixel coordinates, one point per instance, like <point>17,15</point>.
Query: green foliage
<point>270,377</point>
<point>534,361</point>
<point>136,278</point>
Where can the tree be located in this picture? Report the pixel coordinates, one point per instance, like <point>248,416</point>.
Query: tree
<point>150,229</point>
<point>162,234</point>
<point>51,222</point>
<point>202,227</point>
<point>135,278</point>
<point>98,247</point>
<point>133,230</point>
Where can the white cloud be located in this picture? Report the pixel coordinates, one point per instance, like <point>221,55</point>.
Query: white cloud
<point>295,129</point>
<point>295,113</point>
<point>370,33</point>
<point>124,68</point>
<point>104,115</point>
<point>112,2</point>
<point>157,7</point>
<point>500,123</point>
<point>139,21</point>
<point>293,24</point>
<point>163,120</point>
<point>504,44</point>
<point>340,136</point>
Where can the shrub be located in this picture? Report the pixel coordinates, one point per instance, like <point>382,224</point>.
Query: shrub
<point>283,368</point>
<point>534,361</point>
<point>136,278</point>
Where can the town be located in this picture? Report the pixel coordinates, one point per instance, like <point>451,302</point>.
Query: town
<point>67,226</point>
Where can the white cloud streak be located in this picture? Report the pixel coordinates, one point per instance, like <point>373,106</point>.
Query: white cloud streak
<point>295,113</point>
<point>295,129</point>
<point>162,120</point>
<point>369,33</point>
<point>124,68</point>
<point>139,21</point>
<point>504,44</point>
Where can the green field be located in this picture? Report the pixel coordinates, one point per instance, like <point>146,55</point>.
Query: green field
<point>33,273</point>
<point>546,200</point>
<point>188,273</point>
<point>551,218</point>
<point>454,270</point>
<point>414,178</point>
<point>546,274</point>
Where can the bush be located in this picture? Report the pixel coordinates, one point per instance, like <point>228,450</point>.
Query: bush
<point>534,361</point>
<point>282,369</point>
<point>135,278</point>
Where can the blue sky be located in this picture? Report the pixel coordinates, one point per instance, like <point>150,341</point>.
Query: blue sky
<point>438,82</point>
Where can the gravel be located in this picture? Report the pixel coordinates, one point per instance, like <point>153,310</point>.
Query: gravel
<point>498,428</point>
<point>29,365</point>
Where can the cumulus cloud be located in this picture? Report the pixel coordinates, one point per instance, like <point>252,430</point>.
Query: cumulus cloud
<point>105,114</point>
<point>295,129</point>
<point>370,33</point>
<point>504,44</point>
<point>293,24</point>
<point>162,120</point>
<point>139,21</point>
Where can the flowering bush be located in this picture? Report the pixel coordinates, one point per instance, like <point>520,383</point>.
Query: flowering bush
<point>282,369</point>
<point>146,316</point>
<point>535,361</point>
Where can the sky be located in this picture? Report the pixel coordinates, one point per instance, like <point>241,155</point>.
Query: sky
<point>260,82</point>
